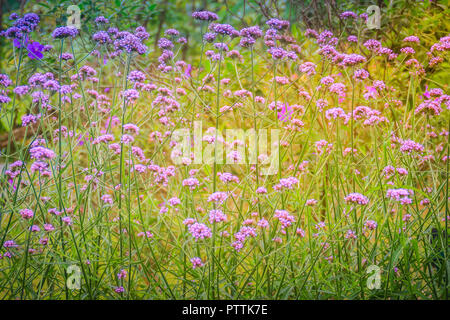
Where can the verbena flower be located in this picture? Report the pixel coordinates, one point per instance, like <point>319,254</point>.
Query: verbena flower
<point>205,15</point>
<point>200,231</point>
<point>65,32</point>
<point>356,198</point>
<point>278,24</point>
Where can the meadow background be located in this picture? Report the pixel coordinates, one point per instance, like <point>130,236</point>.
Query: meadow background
<point>93,205</point>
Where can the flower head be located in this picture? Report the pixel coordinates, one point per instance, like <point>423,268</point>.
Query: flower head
<point>65,32</point>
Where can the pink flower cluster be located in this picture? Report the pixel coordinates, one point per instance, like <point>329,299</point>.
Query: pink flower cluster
<point>401,195</point>
<point>356,198</point>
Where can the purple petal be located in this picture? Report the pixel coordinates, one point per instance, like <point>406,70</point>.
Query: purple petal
<point>16,43</point>
<point>187,73</point>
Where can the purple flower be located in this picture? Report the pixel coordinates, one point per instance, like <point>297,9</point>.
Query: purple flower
<point>165,43</point>
<point>4,99</point>
<point>39,153</point>
<point>247,42</point>
<point>136,76</point>
<point>141,33</point>
<point>165,56</point>
<point>352,59</point>
<point>277,53</point>
<point>113,31</point>
<point>22,26</point>
<point>5,81</point>
<point>101,37</point>
<point>285,113</point>
<point>196,262</point>
<point>187,72</point>
<point>284,217</point>
<point>31,19</point>
<point>348,14</point>
<point>30,118</point>
<point>21,90</point>
<point>356,198</point>
<point>412,39</point>
<point>101,20</point>
<point>35,50</point>
<point>10,244</point>
<point>18,44</point>
<point>65,32</point>
<point>252,32</point>
<point>352,38</point>
<point>13,16</point>
<point>278,24</point>
<point>209,36</point>
<point>373,45</point>
<point>13,33</point>
<point>66,56</point>
<point>205,15</point>
<point>200,231</point>
<point>172,32</point>
<point>221,46</point>
<point>224,29</point>
<point>360,74</point>
<point>129,42</point>
<point>401,195</point>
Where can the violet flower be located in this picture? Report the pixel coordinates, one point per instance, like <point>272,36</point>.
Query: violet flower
<point>34,48</point>
<point>187,72</point>
<point>285,113</point>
